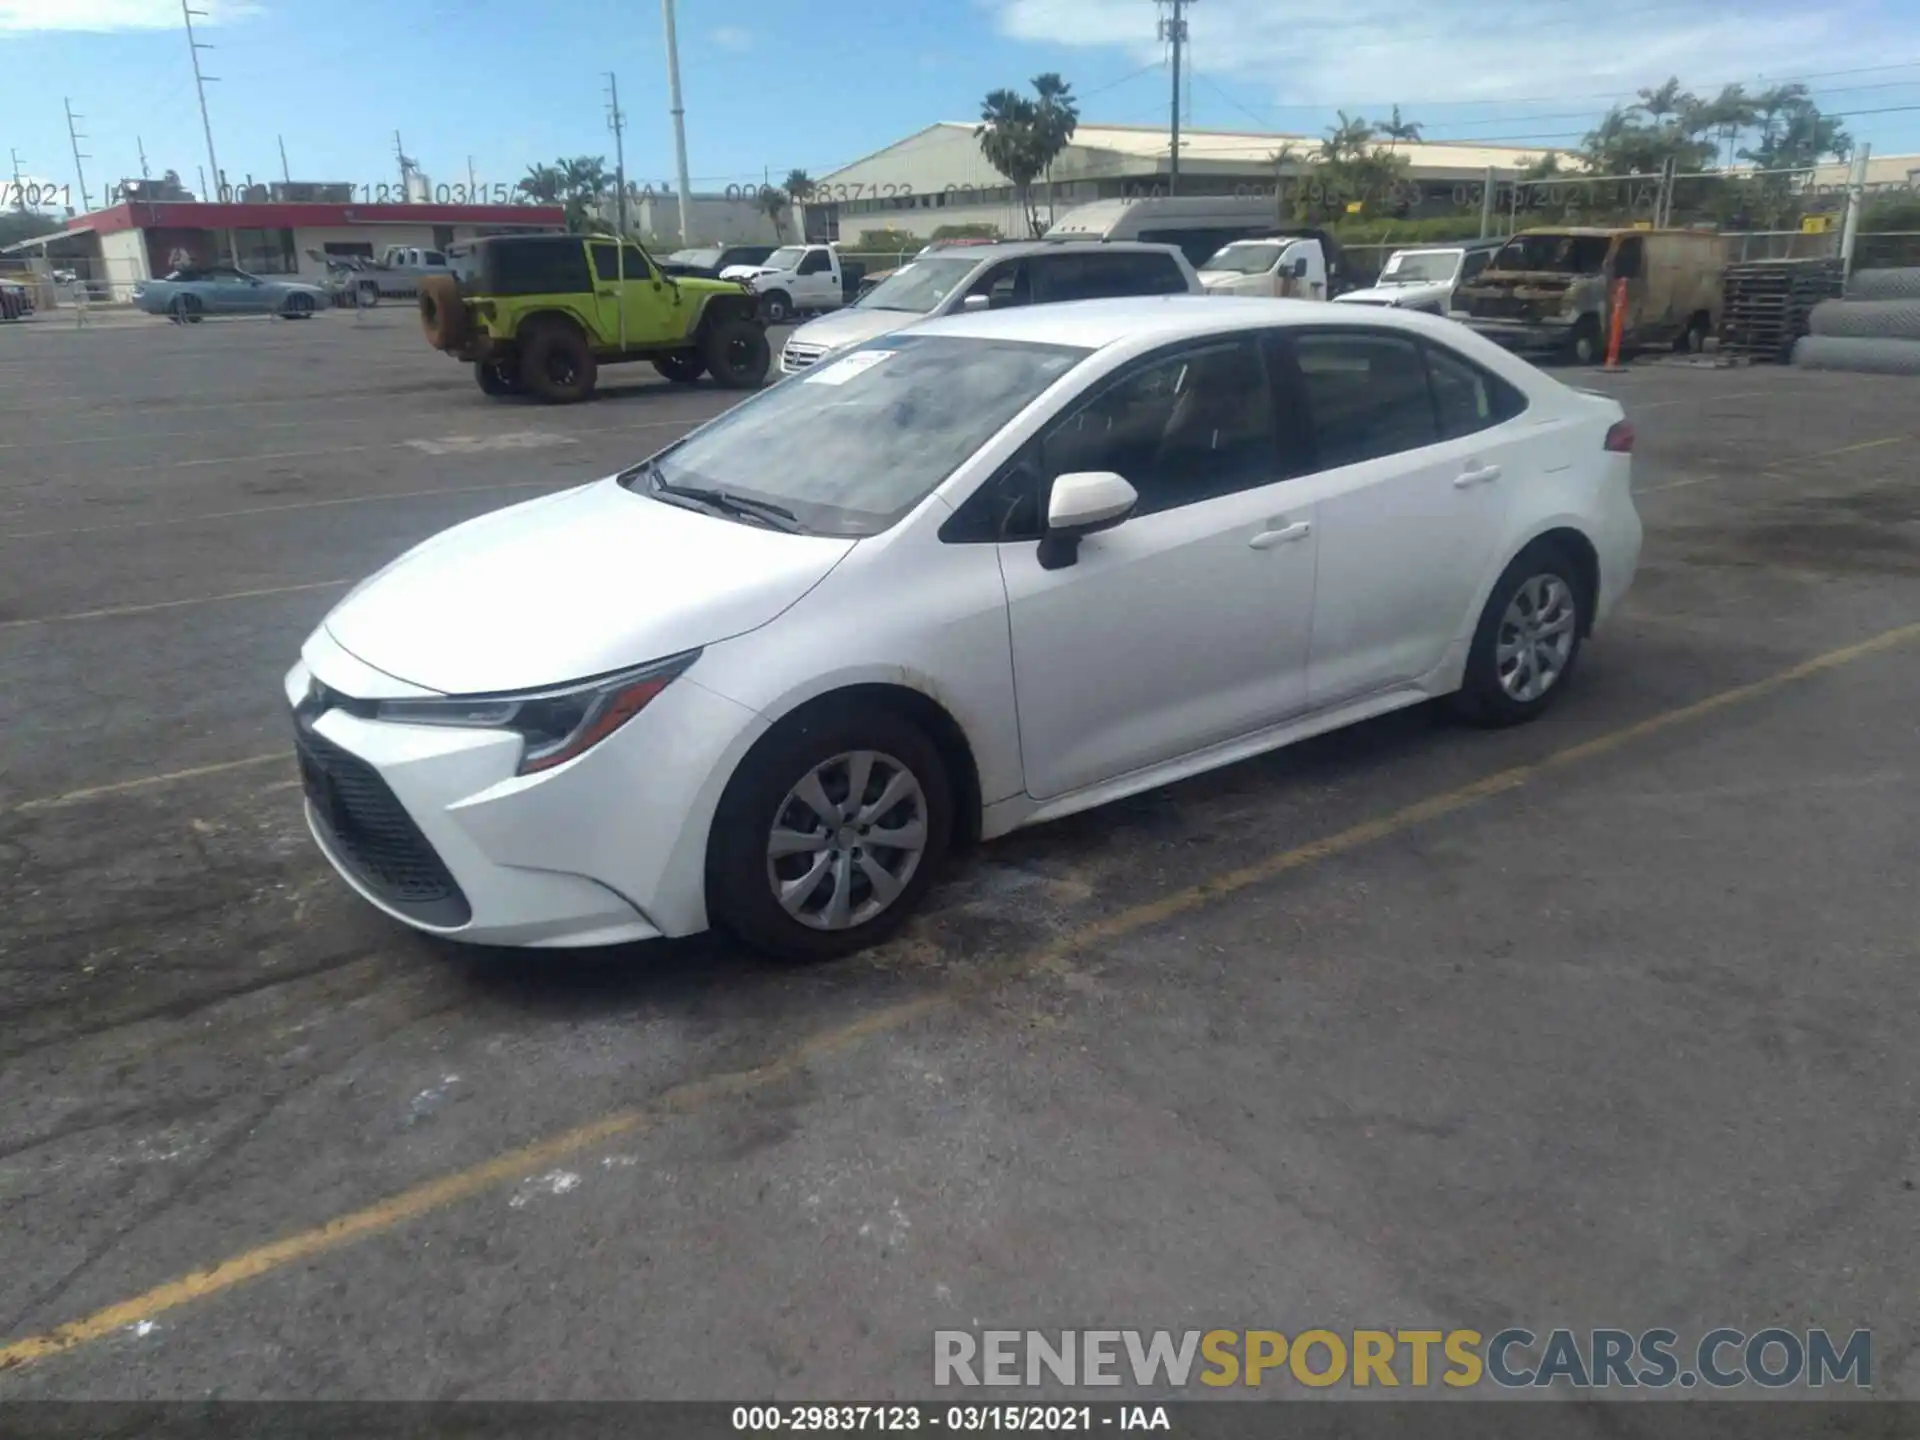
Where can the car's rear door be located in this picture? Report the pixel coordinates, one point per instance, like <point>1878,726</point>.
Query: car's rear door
<point>1189,623</point>
<point>1416,452</point>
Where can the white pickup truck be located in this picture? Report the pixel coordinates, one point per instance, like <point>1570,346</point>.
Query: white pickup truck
<point>796,280</point>
<point>396,275</point>
<point>1304,265</point>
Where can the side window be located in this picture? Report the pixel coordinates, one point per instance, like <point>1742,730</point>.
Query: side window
<point>1629,259</point>
<point>434,257</point>
<point>606,261</point>
<point>813,264</point>
<point>1006,284</point>
<point>1467,398</point>
<point>637,262</point>
<point>1366,393</point>
<point>1475,262</point>
<point>1181,428</point>
<point>542,267</point>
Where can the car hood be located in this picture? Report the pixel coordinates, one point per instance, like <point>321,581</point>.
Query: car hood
<point>746,272</point>
<point>851,326</point>
<point>1413,294</point>
<point>573,585</point>
<point>1233,282</point>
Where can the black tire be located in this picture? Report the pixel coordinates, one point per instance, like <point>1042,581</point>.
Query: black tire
<point>777,306</point>
<point>557,364</point>
<point>1866,319</point>
<point>1899,283</point>
<point>496,377</point>
<point>298,307</point>
<point>1584,345</point>
<point>740,875</point>
<point>681,366</point>
<point>186,310</point>
<point>736,352</point>
<point>366,295</point>
<point>1484,698</point>
<point>1859,355</point>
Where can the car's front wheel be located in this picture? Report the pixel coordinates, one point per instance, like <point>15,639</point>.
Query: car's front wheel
<point>1528,639</point>
<point>736,352</point>
<point>185,310</point>
<point>829,834</point>
<point>776,306</point>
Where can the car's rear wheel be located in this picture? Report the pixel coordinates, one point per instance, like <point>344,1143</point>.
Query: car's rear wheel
<point>736,352</point>
<point>298,307</point>
<point>680,367</point>
<point>185,309</point>
<point>1584,347</point>
<point>367,294</point>
<point>1528,640</point>
<point>557,364</point>
<point>497,378</point>
<point>829,835</point>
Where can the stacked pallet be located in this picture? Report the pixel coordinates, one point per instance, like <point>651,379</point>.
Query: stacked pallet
<point>1874,330</point>
<point>1766,305</point>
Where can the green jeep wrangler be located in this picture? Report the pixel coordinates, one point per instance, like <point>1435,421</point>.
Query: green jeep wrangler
<point>540,314</point>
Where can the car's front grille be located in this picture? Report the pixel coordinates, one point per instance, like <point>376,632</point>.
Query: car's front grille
<point>799,357</point>
<point>373,835</point>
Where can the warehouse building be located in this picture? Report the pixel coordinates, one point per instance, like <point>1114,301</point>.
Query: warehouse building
<point>939,177</point>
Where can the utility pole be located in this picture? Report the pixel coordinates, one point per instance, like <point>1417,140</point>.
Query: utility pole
<point>194,47</point>
<point>141,147</point>
<point>1856,194</point>
<point>285,173</point>
<point>617,122</point>
<point>407,167</point>
<point>1174,31</point>
<point>19,184</point>
<point>679,117</point>
<point>75,137</point>
<point>473,188</point>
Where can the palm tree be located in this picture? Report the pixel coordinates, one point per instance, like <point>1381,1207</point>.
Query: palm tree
<point>1665,99</point>
<point>773,200</point>
<point>1009,142</point>
<point>1347,140</point>
<point>1396,129</point>
<point>1056,117</point>
<point>543,184</point>
<point>1730,112</point>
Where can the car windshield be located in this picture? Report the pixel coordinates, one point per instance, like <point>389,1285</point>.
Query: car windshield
<point>785,258</point>
<point>1244,259</point>
<point>920,285</point>
<point>1565,254</point>
<point>850,447</point>
<point>694,257</point>
<point>1418,267</point>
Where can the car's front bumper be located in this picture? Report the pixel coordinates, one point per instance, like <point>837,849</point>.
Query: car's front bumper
<point>432,825</point>
<point>1548,333</point>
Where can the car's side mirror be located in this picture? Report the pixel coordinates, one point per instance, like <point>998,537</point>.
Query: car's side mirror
<point>1299,267</point>
<point>976,302</point>
<point>1081,504</point>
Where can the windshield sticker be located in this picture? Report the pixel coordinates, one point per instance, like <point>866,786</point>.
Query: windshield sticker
<point>841,371</point>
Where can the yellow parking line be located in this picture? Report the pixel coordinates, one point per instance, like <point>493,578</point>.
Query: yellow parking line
<point>123,787</point>
<point>170,604</point>
<point>396,1210</point>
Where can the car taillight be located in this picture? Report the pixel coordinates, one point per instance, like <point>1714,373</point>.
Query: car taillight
<point>1620,438</point>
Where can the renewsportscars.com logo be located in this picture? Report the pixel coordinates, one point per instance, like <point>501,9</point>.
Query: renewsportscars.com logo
<point>1603,1359</point>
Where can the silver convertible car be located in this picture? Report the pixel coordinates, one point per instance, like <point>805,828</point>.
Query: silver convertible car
<point>186,296</point>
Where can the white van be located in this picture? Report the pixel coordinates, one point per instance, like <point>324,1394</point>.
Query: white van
<point>1198,224</point>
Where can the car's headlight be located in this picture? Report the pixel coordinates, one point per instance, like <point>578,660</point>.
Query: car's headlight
<point>555,725</point>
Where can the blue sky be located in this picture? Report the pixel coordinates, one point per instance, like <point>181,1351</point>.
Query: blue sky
<point>817,83</point>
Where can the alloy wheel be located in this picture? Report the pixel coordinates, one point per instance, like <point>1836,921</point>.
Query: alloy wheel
<point>1535,639</point>
<point>846,840</point>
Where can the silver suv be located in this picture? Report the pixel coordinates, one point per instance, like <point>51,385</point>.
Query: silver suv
<point>991,277</point>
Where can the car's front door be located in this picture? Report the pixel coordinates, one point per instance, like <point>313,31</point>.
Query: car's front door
<point>1414,460</point>
<point>636,304</point>
<point>1188,624</point>
<point>816,286</point>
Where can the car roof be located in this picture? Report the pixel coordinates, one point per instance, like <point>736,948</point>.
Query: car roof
<point>1002,249</point>
<point>1151,319</point>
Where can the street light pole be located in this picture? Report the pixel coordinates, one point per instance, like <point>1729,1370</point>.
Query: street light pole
<point>679,118</point>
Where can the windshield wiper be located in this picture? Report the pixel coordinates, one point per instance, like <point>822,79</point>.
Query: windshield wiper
<point>776,517</point>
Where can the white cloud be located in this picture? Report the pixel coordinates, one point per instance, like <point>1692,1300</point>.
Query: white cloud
<point>27,16</point>
<point>732,37</point>
<point>1365,54</point>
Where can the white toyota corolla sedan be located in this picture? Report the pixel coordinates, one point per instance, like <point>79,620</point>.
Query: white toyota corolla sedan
<point>985,573</point>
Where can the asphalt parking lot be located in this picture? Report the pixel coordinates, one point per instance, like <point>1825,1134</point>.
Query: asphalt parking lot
<point>1607,1021</point>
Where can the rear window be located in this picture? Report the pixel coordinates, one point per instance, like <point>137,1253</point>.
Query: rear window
<point>544,267</point>
<point>1096,276</point>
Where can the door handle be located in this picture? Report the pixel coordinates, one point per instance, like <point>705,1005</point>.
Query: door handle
<point>1267,539</point>
<point>605,294</point>
<point>1482,475</point>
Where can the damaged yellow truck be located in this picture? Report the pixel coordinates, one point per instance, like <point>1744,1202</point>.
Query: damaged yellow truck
<point>1551,290</point>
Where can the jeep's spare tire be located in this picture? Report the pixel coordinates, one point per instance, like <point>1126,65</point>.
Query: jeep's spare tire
<point>736,351</point>
<point>442,313</point>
